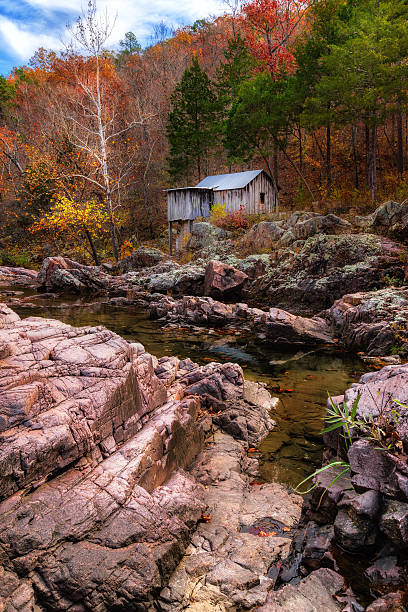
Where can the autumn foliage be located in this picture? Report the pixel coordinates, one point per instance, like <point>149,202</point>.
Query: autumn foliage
<point>270,27</point>
<point>313,92</point>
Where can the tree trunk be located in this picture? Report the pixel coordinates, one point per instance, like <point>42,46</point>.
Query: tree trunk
<point>271,169</point>
<point>355,159</point>
<point>93,249</point>
<point>328,158</point>
<point>368,157</point>
<point>146,207</point>
<point>112,231</point>
<point>400,144</point>
<point>300,148</point>
<point>104,160</point>
<point>294,166</point>
<point>275,164</point>
<point>374,162</point>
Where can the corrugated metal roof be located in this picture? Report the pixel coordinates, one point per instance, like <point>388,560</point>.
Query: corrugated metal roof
<point>236,180</point>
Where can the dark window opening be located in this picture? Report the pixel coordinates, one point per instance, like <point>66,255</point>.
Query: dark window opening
<point>262,198</point>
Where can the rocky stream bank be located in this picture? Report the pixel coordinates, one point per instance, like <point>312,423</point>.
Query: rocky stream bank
<point>130,482</point>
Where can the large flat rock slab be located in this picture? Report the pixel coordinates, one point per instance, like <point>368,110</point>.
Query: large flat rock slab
<point>66,392</point>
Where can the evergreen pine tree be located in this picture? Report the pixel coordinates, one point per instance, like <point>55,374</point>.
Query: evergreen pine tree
<point>192,124</point>
<point>365,75</point>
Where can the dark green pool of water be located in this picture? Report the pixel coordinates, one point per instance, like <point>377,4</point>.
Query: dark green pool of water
<point>301,378</point>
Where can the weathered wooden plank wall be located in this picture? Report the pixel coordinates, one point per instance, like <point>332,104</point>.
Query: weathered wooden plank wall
<point>249,197</point>
<point>185,204</point>
<point>190,203</point>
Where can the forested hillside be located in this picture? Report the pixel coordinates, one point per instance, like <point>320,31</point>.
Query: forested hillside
<point>313,92</point>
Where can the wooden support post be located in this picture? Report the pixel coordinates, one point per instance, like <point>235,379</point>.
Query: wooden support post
<point>171,237</point>
<point>190,226</point>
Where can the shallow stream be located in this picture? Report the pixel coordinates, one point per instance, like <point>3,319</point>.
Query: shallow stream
<point>301,378</point>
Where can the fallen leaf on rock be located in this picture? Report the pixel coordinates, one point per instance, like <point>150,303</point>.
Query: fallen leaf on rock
<point>286,529</point>
<point>252,450</point>
<point>206,517</point>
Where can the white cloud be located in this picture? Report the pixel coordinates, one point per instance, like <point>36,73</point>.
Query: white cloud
<point>21,42</point>
<point>27,25</point>
<point>132,15</point>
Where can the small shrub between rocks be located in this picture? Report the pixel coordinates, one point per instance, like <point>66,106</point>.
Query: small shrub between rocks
<point>236,222</point>
<point>379,431</point>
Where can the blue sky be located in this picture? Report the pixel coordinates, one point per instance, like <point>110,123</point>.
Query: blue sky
<point>26,25</point>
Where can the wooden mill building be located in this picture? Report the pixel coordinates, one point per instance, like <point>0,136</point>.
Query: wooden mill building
<point>252,190</point>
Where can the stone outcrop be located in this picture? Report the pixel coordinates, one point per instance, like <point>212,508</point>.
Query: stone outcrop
<point>175,278</point>
<point>263,236</point>
<point>270,236</point>
<point>230,559</point>
<point>90,434</point>
<point>206,237</point>
<point>10,276</point>
<point>275,325</point>
<point>66,392</point>
<point>61,274</point>
<point>389,219</point>
<point>372,321</point>
<point>98,508</point>
<point>228,563</point>
<point>143,257</point>
<point>222,281</point>
<point>326,267</point>
<point>314,594</point>
<point>368,505</point>
<point>301,228</point>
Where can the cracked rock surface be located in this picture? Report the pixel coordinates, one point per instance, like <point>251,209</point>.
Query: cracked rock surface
<point>105,476</point>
